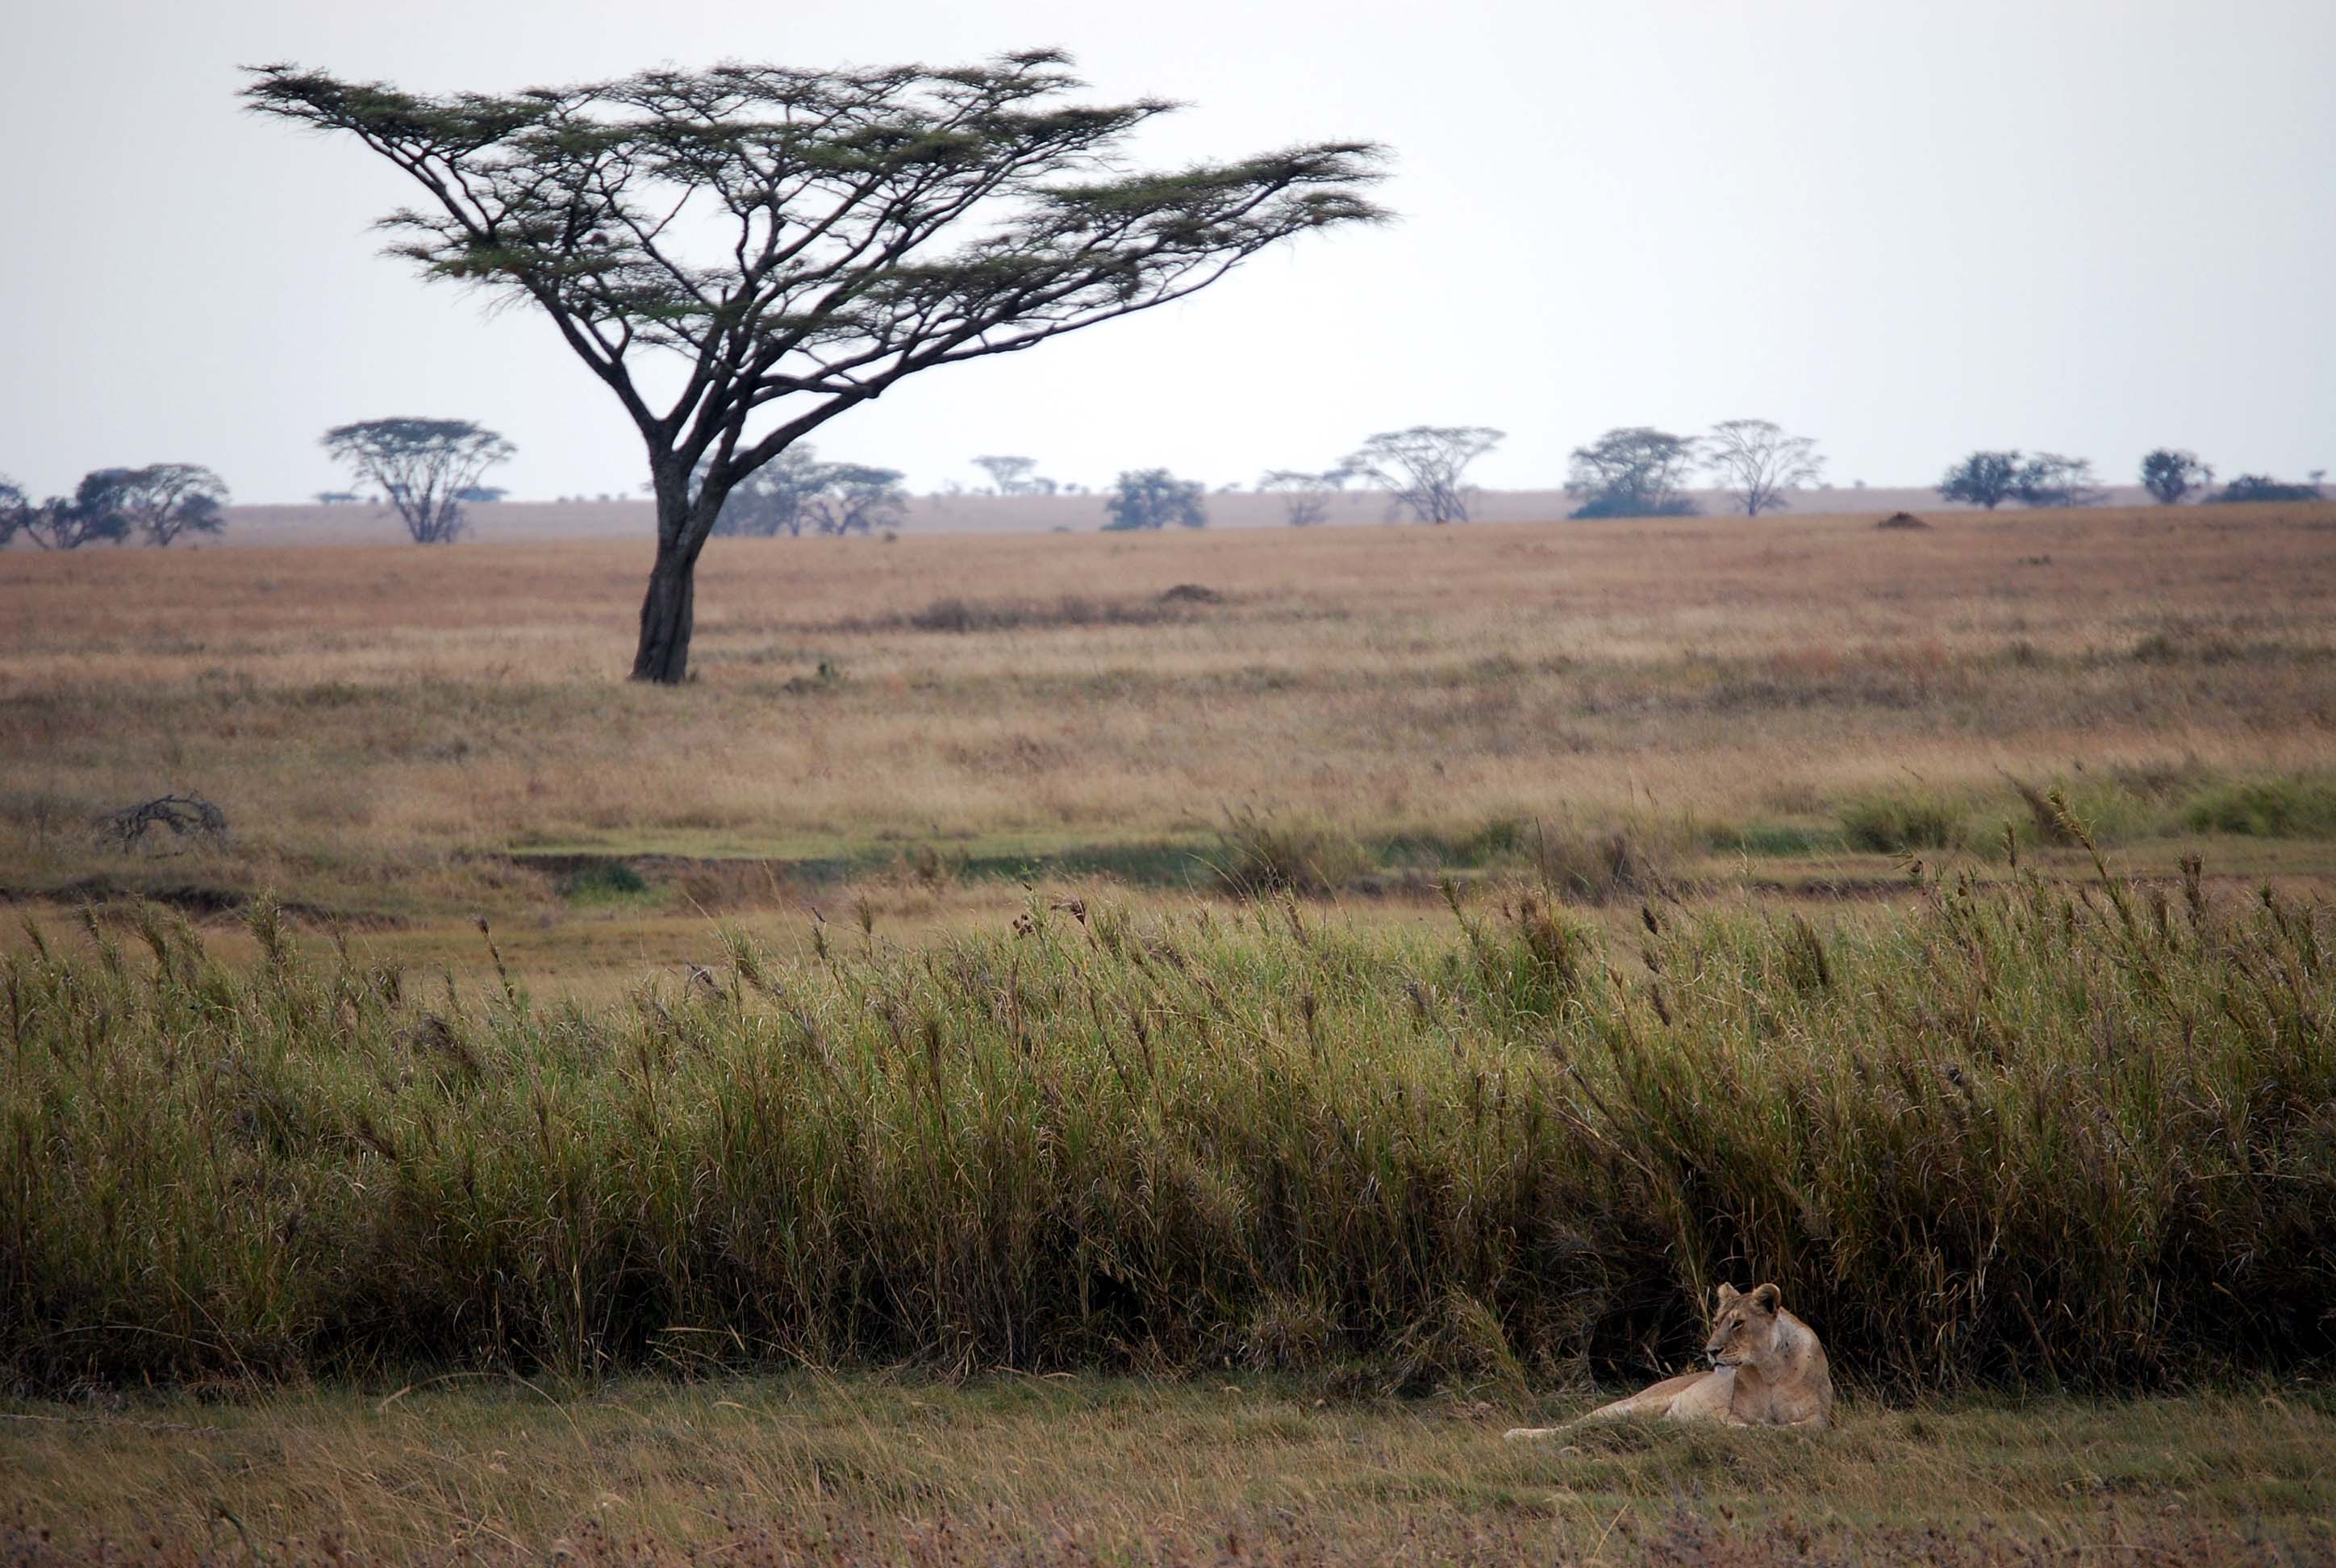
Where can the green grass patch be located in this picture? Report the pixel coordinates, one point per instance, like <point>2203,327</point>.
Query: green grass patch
<point>603,882</point>
<point>1901,821</point>
<point>2291,808</point>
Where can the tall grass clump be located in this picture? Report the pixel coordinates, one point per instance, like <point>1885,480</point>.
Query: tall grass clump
<point>2080,1134</point>
<point>1901,821</point>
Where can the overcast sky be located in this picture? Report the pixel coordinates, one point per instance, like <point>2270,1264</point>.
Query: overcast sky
<point>1904,226</point>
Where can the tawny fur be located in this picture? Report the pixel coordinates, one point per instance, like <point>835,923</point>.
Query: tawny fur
<point>1768,1369</point>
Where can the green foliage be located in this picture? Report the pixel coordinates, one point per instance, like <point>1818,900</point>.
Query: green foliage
<point>2170,475</point>
<point>2029,1132</point>
<point>2250,487</point>
<point>1152,498</point>
<point>422,466</point>
<point>1633,471</point>
<point>2049,479</point>
<point>2267,808</point>
<point>1900,821</point>
<point>1986,479</point>
<point>603,882</point>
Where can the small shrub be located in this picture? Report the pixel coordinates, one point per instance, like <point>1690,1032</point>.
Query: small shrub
<point>603,882</point>
<point>1899,823</point>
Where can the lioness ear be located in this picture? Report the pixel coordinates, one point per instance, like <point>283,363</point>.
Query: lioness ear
<point>1725,1294</point>
<point>1767,1298</point>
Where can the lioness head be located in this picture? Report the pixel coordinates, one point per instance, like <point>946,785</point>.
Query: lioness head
<point>1743,1326</point>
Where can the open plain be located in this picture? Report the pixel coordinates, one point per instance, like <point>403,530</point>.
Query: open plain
<point>1176,1041</point>
<point>404,737</point>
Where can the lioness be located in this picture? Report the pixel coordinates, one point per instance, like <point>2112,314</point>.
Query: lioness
<point>1766,1370</point>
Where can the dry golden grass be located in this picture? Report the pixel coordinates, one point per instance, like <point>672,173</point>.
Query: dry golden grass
<point>380,723</point>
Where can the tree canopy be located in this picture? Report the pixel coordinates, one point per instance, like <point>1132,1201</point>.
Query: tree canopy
<point>425,466</point>
<point>2049,479</point>
<point>165,499</point>
<point>2263,487</point>
<point>2170,475</point>
<point>1986,479</point>
<point>802,239</point>
<point>1634,470</point>
<point>1757,462</point>
<point>1016,475</point>
<point>1426,467</point>
<point>1305,494</point>
<point>1151,498</point>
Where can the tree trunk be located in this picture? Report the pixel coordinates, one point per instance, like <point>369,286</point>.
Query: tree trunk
<point>669,609</point>
<point>667,615</point>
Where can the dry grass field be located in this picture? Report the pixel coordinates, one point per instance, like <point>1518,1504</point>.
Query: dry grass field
<point>1034,1471</point>
<point>1702,703</point>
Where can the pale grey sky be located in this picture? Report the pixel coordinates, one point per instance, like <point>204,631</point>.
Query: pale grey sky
<point>1907,228</point>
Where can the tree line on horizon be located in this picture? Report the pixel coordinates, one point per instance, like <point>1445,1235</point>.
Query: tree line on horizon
<point>428,469</point>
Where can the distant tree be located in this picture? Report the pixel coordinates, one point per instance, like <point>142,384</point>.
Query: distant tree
<point>1757,462</point>
<point>13,510</point>
<point>1986,479</point>
<point>486,494</point>
<point>1154,498</point>
<point>2170,475</point>
<point>2249,487</point>
<point>2049,479</point>
<point>337,497</point>
<point>1305,496</point>
<point>423,465</point>
<point>1634,470</point>
<point>855,497</point>
<point>165,499</point>
<point>1426,467</point>
<point>92,515</point>
<point>773,500</point>
<point>803,240</point>
<point>1016,475</point>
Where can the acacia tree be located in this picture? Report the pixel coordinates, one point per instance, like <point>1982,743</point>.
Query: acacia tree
<point>1150,497</point>
<point>772,500</point>
<point>803,240</point>
<point>13,509</point>
<point>90,515</point>
<point>1757,462</point>
<point>2049,479</point>
<point>856,497</point>
<point>165,499</point>
<point>1986,479</point>
<point>1634,470</point>
<point>1305,495</point>
<point>423,465</point>
<point>2170,475</point>
<point>1426,467</point>
<point>1016,475</point>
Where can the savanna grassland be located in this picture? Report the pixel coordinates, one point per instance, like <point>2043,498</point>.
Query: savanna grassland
<point>1020,1063</point>
<point>394,732</point>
